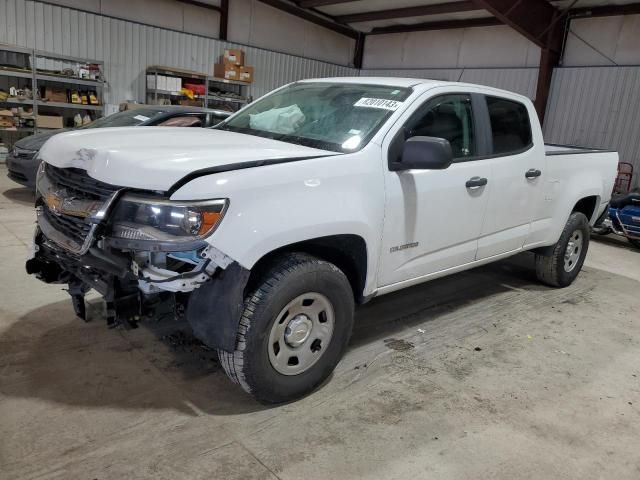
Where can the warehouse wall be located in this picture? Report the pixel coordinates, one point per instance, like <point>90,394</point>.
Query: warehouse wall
<point>170,14</point>
<point>498,46</point>
<point>457,55</point>
<point>597,104</point>
<point>520,80</point>
<point>127,48</point>
<point>603,41</point>
<point>254,23</point>
<point>250,23</point>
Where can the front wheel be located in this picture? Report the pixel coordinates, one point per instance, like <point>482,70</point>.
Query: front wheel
<point>294,329</point>
<point>561,268</point>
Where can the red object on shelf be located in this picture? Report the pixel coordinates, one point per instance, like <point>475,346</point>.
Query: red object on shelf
<point>624,178</point>
<point>196,88</point>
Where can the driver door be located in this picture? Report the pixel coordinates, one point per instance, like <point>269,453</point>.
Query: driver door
<point>433,218</point>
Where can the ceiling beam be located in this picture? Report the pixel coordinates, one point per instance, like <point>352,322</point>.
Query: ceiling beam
<point>531,18</point>
<point>444,25</point>
<point>224,20</point>
<point>320,3</point>
<point>311,17</point>
<point>452,7</point>
<point>606,11</point>
<point>201,4</point>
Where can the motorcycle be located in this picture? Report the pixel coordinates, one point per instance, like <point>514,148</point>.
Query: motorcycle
<point>622,218</point>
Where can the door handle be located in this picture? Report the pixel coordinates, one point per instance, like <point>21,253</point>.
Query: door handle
<point>533,173</point>
<point>476,182</point>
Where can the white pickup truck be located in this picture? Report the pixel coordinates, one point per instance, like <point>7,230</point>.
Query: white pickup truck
<point>265,231</point>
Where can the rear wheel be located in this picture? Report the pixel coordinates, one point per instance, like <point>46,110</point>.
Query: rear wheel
<point>294,329</point>
<point>561,268</point>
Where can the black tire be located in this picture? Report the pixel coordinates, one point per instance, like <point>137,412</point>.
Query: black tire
<point>291,275</point>
<point>634,242</point>
<point>550,269</point>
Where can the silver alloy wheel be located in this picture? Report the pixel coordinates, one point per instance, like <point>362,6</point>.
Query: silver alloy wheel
<point>573,251</point>
<point>301,333</point>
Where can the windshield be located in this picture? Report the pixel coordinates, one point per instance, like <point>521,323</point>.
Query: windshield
<point>128,118</point>
<point>341,117</point>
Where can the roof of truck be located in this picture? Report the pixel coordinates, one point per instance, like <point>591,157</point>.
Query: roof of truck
<point>402,82</point>
<point>390,81</point>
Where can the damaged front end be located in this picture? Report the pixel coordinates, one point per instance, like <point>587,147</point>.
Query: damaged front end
<point>143,252</point>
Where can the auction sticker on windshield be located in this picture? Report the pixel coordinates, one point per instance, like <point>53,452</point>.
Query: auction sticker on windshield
<point>381,103</point>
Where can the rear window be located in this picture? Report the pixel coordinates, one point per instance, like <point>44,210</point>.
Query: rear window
<point>510,127</point>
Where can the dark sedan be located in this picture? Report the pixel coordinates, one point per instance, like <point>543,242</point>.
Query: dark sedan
<point>22,160</point>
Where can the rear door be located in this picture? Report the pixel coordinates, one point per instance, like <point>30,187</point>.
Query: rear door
<point>517,168</point>
<point>433,217</point>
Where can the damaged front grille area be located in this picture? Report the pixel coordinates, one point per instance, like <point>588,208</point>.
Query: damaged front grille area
<point>79,184</point>
<point>71,204</point>
<point>73,227</point>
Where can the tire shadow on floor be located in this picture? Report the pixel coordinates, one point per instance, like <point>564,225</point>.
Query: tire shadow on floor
<point>52,355</point>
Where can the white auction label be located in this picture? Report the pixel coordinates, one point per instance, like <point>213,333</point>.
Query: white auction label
<point>381,103</point>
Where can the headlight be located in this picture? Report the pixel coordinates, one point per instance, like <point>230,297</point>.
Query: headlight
<point>141,218</point>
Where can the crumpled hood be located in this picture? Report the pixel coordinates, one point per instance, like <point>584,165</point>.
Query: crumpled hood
<point>155,158</point>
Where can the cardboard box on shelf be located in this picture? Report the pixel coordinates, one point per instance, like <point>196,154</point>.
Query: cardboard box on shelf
<point>226,71</point>
<point>49,121</point>
<point>233,56</point>
<point>246,74</point>
<point>54,94</point>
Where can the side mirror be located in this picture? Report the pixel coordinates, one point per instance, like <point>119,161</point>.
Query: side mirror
<point>424,153</point>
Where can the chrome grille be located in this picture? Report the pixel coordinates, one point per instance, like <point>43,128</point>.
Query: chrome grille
<point>71,231</point>
<point>73,227</point>
<point>79,184</point>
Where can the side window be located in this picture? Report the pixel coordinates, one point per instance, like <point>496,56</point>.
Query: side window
<point>449,117</point>
<point>510,127</point>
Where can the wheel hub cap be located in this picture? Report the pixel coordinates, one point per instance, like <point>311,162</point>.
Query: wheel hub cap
<point>301,333</point>
<point>573,251</point>
<point>298,330</point>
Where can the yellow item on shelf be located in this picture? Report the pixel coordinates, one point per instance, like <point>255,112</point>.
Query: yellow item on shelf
<point>188,93</point>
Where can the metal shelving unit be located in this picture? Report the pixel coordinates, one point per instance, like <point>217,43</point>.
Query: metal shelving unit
<point>236,90</point>
<point>239,90</point>
<point>187,76</point>
<point>39,77</point>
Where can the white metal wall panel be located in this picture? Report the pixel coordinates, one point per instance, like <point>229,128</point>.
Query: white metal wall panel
<point>520,80</point>
<point>596,106</point>
<point>127,48</point>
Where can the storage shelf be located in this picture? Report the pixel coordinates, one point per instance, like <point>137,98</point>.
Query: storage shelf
<point>224,80</point>
<point>10,72</point>
<point>176,72</point>
<point>42,77</point>
<point>17,101</point>
<point>226,99</point>
<point>170,92</point>
<point>71,80</point>
<point>19,129</point>
<point>76,106</point>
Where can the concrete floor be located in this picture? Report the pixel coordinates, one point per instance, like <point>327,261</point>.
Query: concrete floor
<point>485,374</point>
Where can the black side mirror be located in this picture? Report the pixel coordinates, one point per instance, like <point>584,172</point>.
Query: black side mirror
<point>424,153</point>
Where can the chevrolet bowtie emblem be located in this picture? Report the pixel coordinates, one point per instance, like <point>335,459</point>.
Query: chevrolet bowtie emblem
<point>54,202</point>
